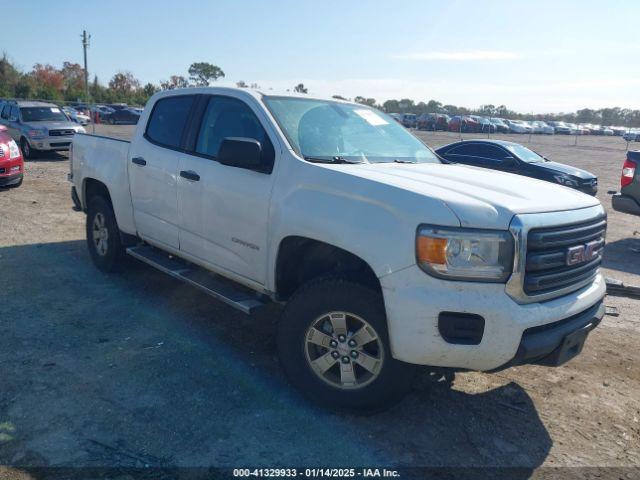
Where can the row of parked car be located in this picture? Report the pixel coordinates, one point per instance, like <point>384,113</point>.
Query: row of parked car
<point>479,124</point>
<point>42,126</point>
<point>114,113</point>
<point>83,114</point>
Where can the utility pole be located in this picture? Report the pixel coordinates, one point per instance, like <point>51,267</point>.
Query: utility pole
<point>85,43</point>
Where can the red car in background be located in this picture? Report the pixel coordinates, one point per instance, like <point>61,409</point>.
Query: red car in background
<point>11,162</point>
<point>464,123</point>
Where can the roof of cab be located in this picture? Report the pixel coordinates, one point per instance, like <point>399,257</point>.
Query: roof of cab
<point>256,93</point>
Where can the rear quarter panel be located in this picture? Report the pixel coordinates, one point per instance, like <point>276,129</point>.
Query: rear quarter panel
<point>104,159</point>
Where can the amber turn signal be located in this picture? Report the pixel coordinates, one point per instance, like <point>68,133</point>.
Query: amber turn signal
<point>432,250</point>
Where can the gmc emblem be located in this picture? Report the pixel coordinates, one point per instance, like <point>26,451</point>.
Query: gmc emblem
<point>583,253</point>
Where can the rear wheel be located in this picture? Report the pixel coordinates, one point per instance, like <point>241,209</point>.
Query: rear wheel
<point>103,235</point>
<point>333,345</point>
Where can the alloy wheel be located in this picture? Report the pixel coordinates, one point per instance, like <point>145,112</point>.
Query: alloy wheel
<point>100,234</point>
<point>344,350</point>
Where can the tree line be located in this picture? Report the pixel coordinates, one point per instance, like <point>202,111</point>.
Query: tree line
<point>47,82</point>
<point>614,116</point>
<point>66,83</point>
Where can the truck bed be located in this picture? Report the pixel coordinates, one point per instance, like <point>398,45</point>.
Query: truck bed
<point>95,157</point>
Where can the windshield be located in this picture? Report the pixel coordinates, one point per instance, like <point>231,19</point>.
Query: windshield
<point>325,130</point>
<point>42,114</point>
<point>524,154</point>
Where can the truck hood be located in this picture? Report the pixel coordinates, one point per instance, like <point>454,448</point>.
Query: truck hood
<point>562,168</point>
<point>479,197</point>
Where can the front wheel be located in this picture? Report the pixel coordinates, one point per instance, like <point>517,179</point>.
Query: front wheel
<point>103,235</point>
<point>333,345</point>
<point>27,151</point>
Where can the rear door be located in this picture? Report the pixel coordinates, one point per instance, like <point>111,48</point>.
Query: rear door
<point>224,210</point>
<point>154,157</point>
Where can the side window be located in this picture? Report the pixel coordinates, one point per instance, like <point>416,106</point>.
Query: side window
<point>468,150</point>
<point>490,152</point>
<point>230,117</point>
<point>168,119</point>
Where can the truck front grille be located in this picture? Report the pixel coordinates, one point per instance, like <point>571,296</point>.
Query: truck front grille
<point>559,258</point>
<point>61,133</point>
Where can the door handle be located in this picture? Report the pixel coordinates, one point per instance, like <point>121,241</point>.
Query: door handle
<point>139,161</point>
<point>190,175</point>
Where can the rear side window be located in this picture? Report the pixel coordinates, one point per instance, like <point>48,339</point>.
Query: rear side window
<point>490,152</point>
<point>463,150</point>
<point>168,119</point>
<point>479,150</point>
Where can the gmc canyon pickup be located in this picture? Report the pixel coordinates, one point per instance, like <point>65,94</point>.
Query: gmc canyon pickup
<point>383,256</point>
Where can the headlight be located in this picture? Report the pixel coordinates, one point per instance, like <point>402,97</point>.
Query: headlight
<point>465,254</point>
<point>567,182</point>
<point>14,151</point>
<point>37,133</point>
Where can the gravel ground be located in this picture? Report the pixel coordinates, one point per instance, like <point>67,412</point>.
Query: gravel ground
<point>137,369</point>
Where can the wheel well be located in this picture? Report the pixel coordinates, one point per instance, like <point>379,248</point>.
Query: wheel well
<point>95,188</point>
<point>302,259</point>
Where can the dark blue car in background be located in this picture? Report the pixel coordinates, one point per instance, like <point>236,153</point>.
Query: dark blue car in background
<point>514,158</point>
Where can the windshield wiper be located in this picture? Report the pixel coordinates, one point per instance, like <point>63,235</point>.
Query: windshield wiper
<point>336,159</point>
<point>399,160</point>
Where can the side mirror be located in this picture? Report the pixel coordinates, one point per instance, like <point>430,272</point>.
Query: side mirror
<point>509,161</point>
<point>240,152</point>
<point>13,119</point>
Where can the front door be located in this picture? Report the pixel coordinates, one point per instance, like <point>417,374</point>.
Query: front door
<point>224,210</point>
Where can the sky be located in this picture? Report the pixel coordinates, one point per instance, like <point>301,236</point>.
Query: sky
<point>535,56</point>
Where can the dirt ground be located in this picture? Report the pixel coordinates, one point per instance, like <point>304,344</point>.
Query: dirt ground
<point>137,369</point>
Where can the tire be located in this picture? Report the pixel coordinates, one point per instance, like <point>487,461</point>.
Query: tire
<point>27,150</point>
<point>310,307</point>
<point>107,251</point>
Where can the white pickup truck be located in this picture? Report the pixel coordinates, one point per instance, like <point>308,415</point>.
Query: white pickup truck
<point>383,256</point>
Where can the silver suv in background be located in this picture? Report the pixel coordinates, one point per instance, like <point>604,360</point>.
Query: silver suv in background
<point>38,126</point>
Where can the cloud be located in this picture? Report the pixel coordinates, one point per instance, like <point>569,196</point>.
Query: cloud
<point>459,56</point>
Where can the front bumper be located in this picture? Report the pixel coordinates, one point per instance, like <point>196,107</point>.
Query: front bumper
<point>56,143</point>
<point>556,343</point>
<point>589,190</point>
<point>6,180</point>
<point>414,301</point>
<point>625,204</point>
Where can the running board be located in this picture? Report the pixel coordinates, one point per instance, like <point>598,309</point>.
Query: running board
<point>214,285</point>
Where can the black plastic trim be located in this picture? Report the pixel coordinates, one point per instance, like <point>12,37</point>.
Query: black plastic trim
<point>541,345</point>
<point>461,328</point>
